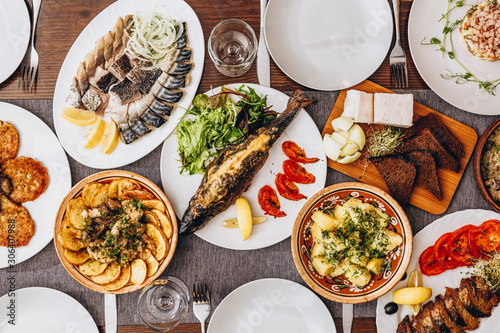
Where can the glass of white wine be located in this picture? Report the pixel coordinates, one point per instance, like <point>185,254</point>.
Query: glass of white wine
<point>163,304</point>
<point>232,46</point>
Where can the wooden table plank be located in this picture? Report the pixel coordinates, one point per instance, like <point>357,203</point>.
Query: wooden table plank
<point>61,21</point>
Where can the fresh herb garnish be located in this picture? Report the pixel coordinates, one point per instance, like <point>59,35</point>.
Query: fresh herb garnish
<point>384,141</point>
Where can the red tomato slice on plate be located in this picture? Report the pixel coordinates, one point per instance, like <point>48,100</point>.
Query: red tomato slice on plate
<point>441,247</point>
<point>484,239</point>
<point>428,263</point>
<point>458,245</point>
<point>294,152</point>
<point>269,202</point>
<point>287,189</point>
<point>297,173</point>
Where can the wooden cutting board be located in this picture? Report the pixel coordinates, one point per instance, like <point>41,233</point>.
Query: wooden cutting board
<point>419,197</point>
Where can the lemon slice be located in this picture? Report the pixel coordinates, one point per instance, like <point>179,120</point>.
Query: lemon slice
<point>109,138</point>
<point>95,134</point>
<point>415,280</point>
<point>78,117</point>
<point>412,295</point>
<point>244,217</point>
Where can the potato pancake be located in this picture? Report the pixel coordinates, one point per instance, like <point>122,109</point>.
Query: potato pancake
<point>28,177</point>
<point>9,141</point>
<point>17,216</point>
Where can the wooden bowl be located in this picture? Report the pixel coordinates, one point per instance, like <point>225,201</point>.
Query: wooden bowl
<point>477,165</point>
<point>339,289</point>
<point>108,176</point>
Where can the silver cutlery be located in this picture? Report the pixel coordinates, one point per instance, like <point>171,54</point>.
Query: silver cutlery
<point>347,317</point>
<point>397,58</point>
<point>110,313</point>
<point>29,65</point>
<point>201,303</point>
<point>263,61</point>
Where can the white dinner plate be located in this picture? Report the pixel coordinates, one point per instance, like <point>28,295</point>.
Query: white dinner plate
<point>36,140</point>
<point>423,24</point>
<point>451,278</point>
<point>270,306</point>
<point>328,44</point>
<point>180,188</point>
<point>44,310</point>
<point>14,37</point>
<point>73,137</point>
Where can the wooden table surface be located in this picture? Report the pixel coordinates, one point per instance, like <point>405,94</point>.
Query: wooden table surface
<point>61,21</point>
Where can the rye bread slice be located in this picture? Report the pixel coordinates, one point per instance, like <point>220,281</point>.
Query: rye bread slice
<point>433,122</point>
<point>427,141</point>
<point>399,175</point>
<point>427,176</point>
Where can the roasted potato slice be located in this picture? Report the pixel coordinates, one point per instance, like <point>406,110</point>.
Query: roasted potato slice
<point>165,223</point>
<point>92,267</point>
<point>99,196</point>
<point>110,274</point>
<point>74,212</point>
<point>152,264</point>
<point>70,242</point>
<point>76,257</point>
<point>88,191</point>
<point>72,230</point>
<point>127,185</point>
<point>151,218</point>
<point>137,195</point>
<point>122,280</point>
<point>113,188</point>
<point>139,271</point>
<point>157,235</point>
<point>154,204</point>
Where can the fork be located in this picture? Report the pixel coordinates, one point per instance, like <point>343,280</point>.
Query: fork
<point>201,303</point>
<point>29,65</point>
<point>397,58</point>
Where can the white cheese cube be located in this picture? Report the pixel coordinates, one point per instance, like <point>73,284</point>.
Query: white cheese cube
<point>393,109</point>
<point>359,106</point>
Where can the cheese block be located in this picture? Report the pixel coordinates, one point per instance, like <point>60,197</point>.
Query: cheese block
<point>359,106</point>
<point>393,109</point>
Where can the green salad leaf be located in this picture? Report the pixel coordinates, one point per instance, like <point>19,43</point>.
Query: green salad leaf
<point>219,121</point>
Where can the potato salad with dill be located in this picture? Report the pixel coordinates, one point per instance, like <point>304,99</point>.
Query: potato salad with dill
<point>352,239</point>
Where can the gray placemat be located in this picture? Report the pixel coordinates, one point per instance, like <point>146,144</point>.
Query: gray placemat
<point>224,270</point>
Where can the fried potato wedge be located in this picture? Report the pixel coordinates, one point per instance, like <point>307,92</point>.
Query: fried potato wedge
<point>137,194</point>
<point>153,265</point>
<point>110,274</point>
<point>154,204</point>
<point>99,196</point>
<point>92,267</point>
<point>70,242</point>
<point>113,188</point>
<point>127,185</point>
<point>122,280</point>
<point>157,235</point>
<point>88,191</point>
<point>74,212</point>
<point>76,257</point>
<point>165,223</point>
<point>139,271</point>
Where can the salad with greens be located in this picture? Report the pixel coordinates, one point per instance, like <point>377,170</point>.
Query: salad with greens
<point>219,121</point>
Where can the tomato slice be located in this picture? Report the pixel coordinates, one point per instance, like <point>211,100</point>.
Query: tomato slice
<point>485,239</point>
<point>428,263</point>
<point>441,247</point>
<point>287,189</point>
<point>458,245</point>
<point>269,202</point>
<point>297,173</point>
<point>294,152</point>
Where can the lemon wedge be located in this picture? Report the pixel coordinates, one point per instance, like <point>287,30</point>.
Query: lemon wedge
<point>78,117</point>
<point>415,280</point>
<point>109,138</point>
<point>244,217</point>
<point>412,295</point>
<point>95,134</point>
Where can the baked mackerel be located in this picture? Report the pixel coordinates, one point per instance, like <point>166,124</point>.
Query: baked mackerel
<point>233,170</point>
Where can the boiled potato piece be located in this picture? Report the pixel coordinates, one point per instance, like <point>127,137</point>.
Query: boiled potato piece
<point>315,232</point>
<point>70,242</point>
<point>323,220</point>
<point>358,257</point>
<point>359,276</point>
<point>164,222</point>
<point>154,204</point>
<point>139,271</point>
<point>122,280</point>
<point>375,265</point>
<point>127,185</point>
<point>113,189</point>
<point>110,274</point>
<point>152,265</point>
<point>74,212</point>
<point>339,212</point>
<point>76,257</point>
<point>318,250</point>
<point>137,195</point>
<point>336,243</point>
<point>394,240</point>
<point>159,239</point>
<point>92,267</point>
<point>99,196</point>
<point>244,217</point>
<point>367,207</point>
<point>88,191</point>
<point>321,266</point>
<point>353,202</point>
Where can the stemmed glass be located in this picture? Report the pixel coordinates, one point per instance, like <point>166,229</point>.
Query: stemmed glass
<point>163,304</point>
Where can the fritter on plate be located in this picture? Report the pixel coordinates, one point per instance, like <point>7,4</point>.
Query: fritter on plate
<point>28,177</point>
<point>9,141</point>
<point>18,218</point>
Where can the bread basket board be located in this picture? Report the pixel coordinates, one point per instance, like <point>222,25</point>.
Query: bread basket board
<point>420,197</point>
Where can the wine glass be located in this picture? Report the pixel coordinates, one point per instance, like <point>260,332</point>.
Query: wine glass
<point>163,304</point>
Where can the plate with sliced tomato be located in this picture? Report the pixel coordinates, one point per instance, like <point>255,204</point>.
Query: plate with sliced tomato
<point>443,251</point>
<point>295,170</point>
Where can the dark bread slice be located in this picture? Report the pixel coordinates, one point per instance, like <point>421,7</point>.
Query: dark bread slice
<point>447,320</point>
<point>404,326</point>
<point>399,175</point>
<point>427,176</point>
<point>473,301</point>
<point>433,122</point>
<point>458,312</point>
<point>427,141</point>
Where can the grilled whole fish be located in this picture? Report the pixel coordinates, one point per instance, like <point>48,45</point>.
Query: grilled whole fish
<point>233,170</point>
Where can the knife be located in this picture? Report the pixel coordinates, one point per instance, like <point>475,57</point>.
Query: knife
<point>347,316</point>
<point>110,313</point>
<point>263,62</point>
